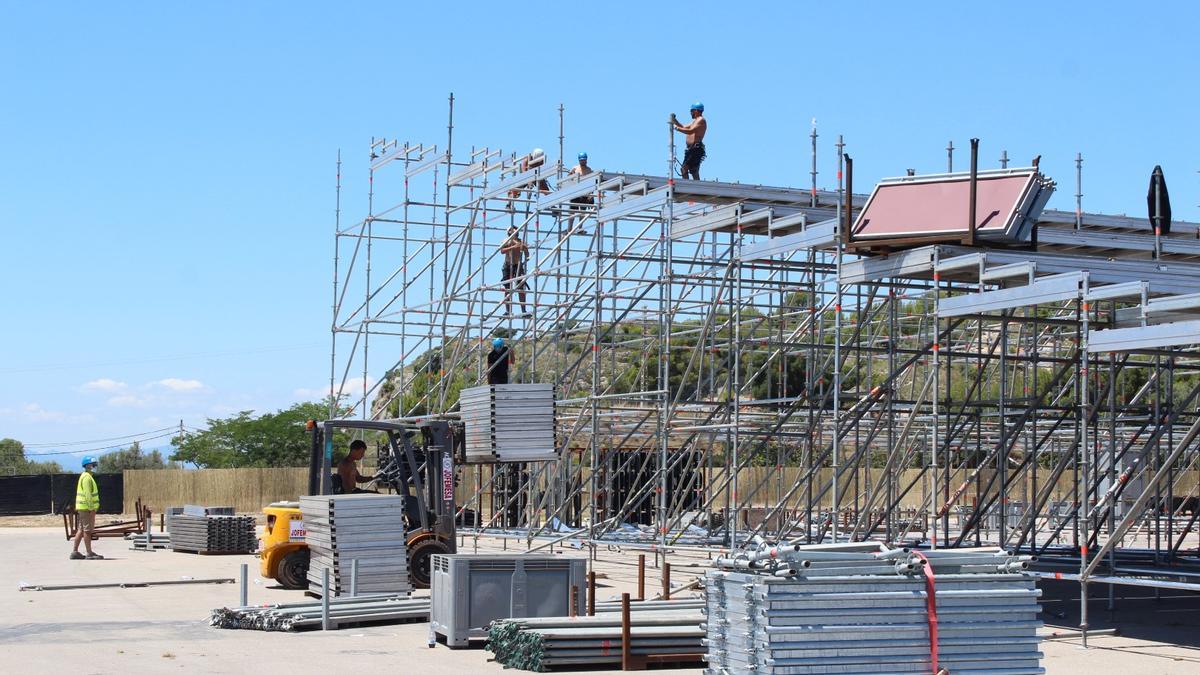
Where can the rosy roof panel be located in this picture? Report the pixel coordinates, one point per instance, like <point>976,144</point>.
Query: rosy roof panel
<point>935,207</point>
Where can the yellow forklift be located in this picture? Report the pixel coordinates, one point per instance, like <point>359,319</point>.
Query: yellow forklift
<point>416,461</point>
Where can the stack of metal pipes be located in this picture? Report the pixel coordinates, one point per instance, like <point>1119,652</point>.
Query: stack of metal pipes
<point>865,608</point>
<point>660,628</point>
<point>392,608</point>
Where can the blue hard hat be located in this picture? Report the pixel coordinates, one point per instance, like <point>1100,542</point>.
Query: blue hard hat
<point>88,459</point>
<point>698,106</point>
<point>498,343</point>
<point>582,156</point>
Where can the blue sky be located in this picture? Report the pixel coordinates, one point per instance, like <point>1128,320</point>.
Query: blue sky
<point>166,180</point>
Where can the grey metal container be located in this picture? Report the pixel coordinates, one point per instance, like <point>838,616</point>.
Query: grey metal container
<point>470,591</point>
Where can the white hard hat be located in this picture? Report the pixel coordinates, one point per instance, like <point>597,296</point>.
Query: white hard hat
<point>537,153</point>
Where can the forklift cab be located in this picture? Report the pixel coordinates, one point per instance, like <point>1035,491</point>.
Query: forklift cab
<point>417,461</point>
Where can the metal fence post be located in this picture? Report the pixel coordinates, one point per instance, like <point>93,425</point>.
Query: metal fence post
<point>245,591</point>
<point>354,578</point>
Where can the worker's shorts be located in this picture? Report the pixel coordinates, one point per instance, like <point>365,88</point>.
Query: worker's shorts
<point>581,202</point>
<point>693,156</point>
<point>87,520</point>
<point>510,271</point>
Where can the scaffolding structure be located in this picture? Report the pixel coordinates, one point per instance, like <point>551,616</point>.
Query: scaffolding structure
<point>730,365</point>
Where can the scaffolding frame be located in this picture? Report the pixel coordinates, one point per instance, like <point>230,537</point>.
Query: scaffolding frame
<point>757,376</point>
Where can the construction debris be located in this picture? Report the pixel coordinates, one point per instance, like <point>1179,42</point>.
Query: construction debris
<point>509,423</point>
<point>387,608</point>
<point>367,528</point>
<point>865,608</point>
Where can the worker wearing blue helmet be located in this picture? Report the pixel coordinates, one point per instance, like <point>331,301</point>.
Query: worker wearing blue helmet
<point>579,171</point>
<point>694,130</point>
<point>498,361</point>
<point>87,503</point>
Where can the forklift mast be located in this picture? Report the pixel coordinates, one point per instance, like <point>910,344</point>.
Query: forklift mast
<point>418,463</point>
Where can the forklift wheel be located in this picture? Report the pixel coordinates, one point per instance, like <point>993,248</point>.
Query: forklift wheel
<point>293,570</point>
<point>420,561</point>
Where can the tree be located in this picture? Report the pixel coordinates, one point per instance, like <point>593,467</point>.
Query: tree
<point>244,440</point>
<point>130,458</point>
<point>14,462</point>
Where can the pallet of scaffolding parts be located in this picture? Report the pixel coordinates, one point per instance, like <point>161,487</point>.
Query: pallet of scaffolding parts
<point>920,210</point>
<point>209,530</point>
<point>866,608</point>
<point>509,423</point>
<point>364,529</point>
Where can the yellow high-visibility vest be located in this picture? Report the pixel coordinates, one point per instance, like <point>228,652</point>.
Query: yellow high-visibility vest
<point>87,494</point>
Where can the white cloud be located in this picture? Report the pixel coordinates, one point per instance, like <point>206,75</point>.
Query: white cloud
<point>353,389</point>
<point>104,384</point>
<point>36,413</point>
<point>176,384</point>
<point>130,401</point>
<point>33,412</point>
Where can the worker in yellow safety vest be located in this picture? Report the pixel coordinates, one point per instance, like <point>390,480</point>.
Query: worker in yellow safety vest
<point>87,503</point>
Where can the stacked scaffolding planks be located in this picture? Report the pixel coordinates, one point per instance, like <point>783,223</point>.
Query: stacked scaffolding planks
<point>862,608</point>
<point>509,423</point>
<point>369,528</point>
<point>211,529</point>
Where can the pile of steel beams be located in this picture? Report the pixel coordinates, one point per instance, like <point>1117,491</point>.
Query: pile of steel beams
<point>864,608</point>
<point>663,631</point>
<point>509,423</point>
<point>200,529</point>
<point>394,608</point>
<point>364,529</point>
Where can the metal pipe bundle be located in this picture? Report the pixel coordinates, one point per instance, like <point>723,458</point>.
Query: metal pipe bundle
<point>839,609</point>
<point>392,608</point>
<point>657,630</point>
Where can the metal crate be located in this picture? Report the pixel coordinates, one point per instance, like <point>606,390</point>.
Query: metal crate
<point>470,591</point>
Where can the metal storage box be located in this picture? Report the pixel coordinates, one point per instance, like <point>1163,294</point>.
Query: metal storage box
<point>469,591</point>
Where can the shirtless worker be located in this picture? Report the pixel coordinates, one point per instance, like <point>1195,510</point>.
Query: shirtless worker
<point>695,131</point>
<point>348,469</point>
<point>581,169</point>
<point>533,160</point>
<point>512,273</point>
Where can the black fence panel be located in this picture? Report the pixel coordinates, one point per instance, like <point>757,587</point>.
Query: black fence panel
<point>110,485</point>
<point>52,493</point>
<point>24,495</point>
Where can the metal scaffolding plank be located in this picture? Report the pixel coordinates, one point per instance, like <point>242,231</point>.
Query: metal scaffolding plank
<point>969,261</point>
<point>1010,271</point>
<point>778,226</point>
<point>653,200</point>
<point>1175,277</point>
<point>718,218</point>
<point>515,183</point>
<point>1047,289</point>
<point>1144,337</point>
<point>819,235</point>
<point>426,165</point>
<point>1173,303</point>
<point>476,169</point>
<point>918,261</point>
<point>585,186</point>
<point>1131,289</point>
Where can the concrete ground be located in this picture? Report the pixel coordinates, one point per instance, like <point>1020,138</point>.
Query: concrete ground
<point>164,629</point>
